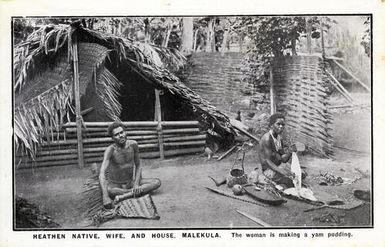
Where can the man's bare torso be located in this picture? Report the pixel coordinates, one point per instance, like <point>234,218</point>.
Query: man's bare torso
<point>121,168</point>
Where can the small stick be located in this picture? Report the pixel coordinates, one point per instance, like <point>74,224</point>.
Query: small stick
<point>234,197</point>
<point>218,183</point>
<point>227,153</point>
<point>256,220</point>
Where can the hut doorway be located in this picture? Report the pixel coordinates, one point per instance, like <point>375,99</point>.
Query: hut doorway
<point>137,98</point>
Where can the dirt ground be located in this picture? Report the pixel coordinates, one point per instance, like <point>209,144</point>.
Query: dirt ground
<point>184,202</point>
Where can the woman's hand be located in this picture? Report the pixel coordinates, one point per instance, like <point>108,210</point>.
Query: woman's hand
<point>287,174</point>
<point>293,148</point>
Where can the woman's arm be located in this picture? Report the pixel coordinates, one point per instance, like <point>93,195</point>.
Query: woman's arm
<point>268,154</point>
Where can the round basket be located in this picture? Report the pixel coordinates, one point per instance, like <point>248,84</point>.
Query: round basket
<point>236,175</point>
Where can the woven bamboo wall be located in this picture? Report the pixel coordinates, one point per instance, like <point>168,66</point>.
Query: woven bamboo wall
<point>300,94</point>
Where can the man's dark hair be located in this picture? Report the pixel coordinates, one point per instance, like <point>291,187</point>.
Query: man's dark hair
<point>113,126</point>
<point>274,118</point>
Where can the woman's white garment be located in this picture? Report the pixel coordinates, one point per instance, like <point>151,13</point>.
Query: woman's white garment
<point>298,191</point>
<point>296,169</point>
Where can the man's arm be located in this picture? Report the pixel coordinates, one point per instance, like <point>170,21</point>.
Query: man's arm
<point>107,202</point>
<point>138,169</point>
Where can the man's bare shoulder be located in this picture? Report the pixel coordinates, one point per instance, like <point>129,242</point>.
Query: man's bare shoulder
<point>265,139</point>
<point>109,149</point>
<point>132,143</point>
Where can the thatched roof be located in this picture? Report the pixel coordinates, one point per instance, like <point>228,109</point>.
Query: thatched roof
<point>44,103</point>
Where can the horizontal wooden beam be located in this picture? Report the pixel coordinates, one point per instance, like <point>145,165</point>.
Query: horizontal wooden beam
<point>103,132</point>
<point>135,123</point>
<point>107,140</point>
<point>89,160</point>
<point>89,151</point>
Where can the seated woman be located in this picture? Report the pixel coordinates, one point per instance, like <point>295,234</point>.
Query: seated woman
<point>272,154</point>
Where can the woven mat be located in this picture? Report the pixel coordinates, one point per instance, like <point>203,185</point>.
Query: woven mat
<point>142,207</point>
<point>92,205</point>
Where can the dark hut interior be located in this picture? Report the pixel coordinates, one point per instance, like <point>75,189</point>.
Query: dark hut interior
<point>137,97</point>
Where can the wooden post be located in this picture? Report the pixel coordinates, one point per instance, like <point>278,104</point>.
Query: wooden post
<point>322,39</point>
<point>158,117</point>
<point>272,102</point>
<point>308,35</point>
<point>77,104</point>
<point>195,40</point>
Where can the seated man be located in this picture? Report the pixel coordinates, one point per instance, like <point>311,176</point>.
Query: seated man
<point>121,174</point>
<point>272,153</point>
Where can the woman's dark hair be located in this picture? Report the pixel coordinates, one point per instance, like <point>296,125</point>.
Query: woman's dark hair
<point>113,126</point>
<point>274,118</point>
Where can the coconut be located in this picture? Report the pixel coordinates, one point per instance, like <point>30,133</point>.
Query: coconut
<point>237,190</point>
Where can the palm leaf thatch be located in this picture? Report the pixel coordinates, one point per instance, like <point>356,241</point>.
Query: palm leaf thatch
<point>43,79</point>
<point>108,91</point>
<point>130,52</point>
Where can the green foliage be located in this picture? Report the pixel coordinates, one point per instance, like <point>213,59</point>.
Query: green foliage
<point>272,36</point>
<point>366,38</point>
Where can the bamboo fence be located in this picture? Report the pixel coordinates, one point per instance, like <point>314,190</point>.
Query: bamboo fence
<point>300,94</point>
<point>59,149</point>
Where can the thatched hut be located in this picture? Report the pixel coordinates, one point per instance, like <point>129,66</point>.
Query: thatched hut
<point>117,78</point>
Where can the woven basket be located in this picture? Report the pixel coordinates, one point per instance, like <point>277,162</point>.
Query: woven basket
<point>236,175</point>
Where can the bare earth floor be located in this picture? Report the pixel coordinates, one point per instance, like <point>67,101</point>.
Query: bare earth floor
<point>183,202</point>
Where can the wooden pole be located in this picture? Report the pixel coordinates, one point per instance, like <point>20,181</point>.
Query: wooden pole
<point>58,155</point>
<point>272,103</point>
<point>99,140</point>
<point>255,219</point>
<point>246,133</point>
<point>308,35</point>
<point>86,111</point>
<point>102,132</point>
<point>136,124</point>
<point>227,153</point>
<point>158,114</point>
<point>99,158</point>
<point>322,39</point>
<point>195,40</point>
<point>354,77</point>
<point>339,87</point>
<point>77,103</point>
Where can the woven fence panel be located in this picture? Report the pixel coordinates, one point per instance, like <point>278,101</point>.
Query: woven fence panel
<point>300,94</point>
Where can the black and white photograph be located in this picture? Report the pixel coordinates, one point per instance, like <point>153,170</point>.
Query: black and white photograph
<point>192,122</point>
